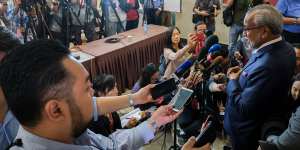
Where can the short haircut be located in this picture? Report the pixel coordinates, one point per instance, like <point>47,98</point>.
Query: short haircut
<point>148,71</point>
<point>267,15</point>
<point>33,74</point>
<point>103,83</point>
<point>8,40</point>
<point>198,23</point>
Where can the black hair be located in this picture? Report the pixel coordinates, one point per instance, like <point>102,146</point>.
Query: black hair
<point>103,83</point>
<point>169,39</point>
<point>33,74</point>
<point>147,72</point>
<point>8,40</point>
<point>198,23</point>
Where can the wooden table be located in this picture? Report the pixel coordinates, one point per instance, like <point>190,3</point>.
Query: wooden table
<point>126,58</point>
<point>87,60</point>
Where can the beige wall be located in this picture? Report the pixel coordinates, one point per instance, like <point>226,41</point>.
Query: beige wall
<point>184,21</point>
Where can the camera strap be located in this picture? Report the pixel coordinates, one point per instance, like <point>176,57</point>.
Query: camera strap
<point>116,13</point>
<point>76,16</point>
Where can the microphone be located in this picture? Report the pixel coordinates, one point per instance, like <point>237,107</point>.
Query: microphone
<point>210,40</point>
<point>215,48</point>
<point>218,60</point>
<point>182,68</point>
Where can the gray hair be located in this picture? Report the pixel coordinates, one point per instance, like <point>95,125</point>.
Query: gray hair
<point>266,15</point>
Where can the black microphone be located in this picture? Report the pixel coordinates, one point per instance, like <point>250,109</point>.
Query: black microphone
<point>218,60</point>
<point>210,41</point>
<point>207,135</point>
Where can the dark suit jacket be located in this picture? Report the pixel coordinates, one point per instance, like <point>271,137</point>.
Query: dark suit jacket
<point>260,93</point>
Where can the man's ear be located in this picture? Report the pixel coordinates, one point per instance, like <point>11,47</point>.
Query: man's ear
<point>56,110</point>
<point>266,32</point>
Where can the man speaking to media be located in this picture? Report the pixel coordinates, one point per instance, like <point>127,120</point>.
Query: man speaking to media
<point>258,91</point>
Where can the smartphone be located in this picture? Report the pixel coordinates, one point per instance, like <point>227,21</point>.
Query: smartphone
<point>264,145</point>
<point>163,88</point>
<point>180,98</point>
<point>205,135</point>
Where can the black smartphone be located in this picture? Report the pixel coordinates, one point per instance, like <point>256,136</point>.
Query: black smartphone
<point>207,135</point>
<point>163,88</point>
<point>264,145</point>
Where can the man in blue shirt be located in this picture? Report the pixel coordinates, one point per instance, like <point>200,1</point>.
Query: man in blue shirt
<point>290,9</point>
<point>51,97</point>
<point>8,123</point>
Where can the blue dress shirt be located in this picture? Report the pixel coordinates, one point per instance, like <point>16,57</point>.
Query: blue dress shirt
<point>8,130</point>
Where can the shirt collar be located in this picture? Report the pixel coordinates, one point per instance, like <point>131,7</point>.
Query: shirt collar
<point>268,43</point>
<point>36,141</point>
<point>8,117</point>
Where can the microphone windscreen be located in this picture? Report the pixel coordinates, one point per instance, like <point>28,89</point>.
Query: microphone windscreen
<point>215,48</point>
<point>211,40</point>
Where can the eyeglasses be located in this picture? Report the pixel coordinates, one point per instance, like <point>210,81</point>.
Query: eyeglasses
<point>252,28</point>
<point>203,30</point>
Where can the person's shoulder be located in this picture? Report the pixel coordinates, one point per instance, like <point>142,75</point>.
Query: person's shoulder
<point>16,148</point>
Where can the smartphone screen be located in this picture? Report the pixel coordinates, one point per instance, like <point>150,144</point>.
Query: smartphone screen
<point>181,97</point>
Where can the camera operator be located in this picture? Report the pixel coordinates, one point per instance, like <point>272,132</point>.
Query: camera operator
<point>114,12</point>
<point>98,21</point>
<point>3,14</point>
<point>82,17</point>
<point>18,20</point>
<point>55,24</point>
<point>206,11</point>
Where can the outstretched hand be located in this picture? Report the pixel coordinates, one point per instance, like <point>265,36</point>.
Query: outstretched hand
<point>143,96</point>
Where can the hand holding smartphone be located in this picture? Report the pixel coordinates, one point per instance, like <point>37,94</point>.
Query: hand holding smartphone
<point>180,98</point>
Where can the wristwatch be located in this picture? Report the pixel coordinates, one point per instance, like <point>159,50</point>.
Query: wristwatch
<point>130,99</point>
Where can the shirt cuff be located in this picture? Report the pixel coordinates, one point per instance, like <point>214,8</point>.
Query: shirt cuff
<point>95,109</point>
<point>146,132</point>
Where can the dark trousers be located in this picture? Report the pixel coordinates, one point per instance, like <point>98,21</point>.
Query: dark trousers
<point>247,142</point>
<point>132,24</point>
<point>291,37</point>
<point>151,17</point>
<point>59,36</point>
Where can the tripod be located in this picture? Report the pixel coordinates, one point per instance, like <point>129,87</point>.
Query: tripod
<point>174,146</point>
<point>37,24</point>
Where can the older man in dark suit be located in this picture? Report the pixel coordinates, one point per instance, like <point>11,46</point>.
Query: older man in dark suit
<point>258,91</point>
